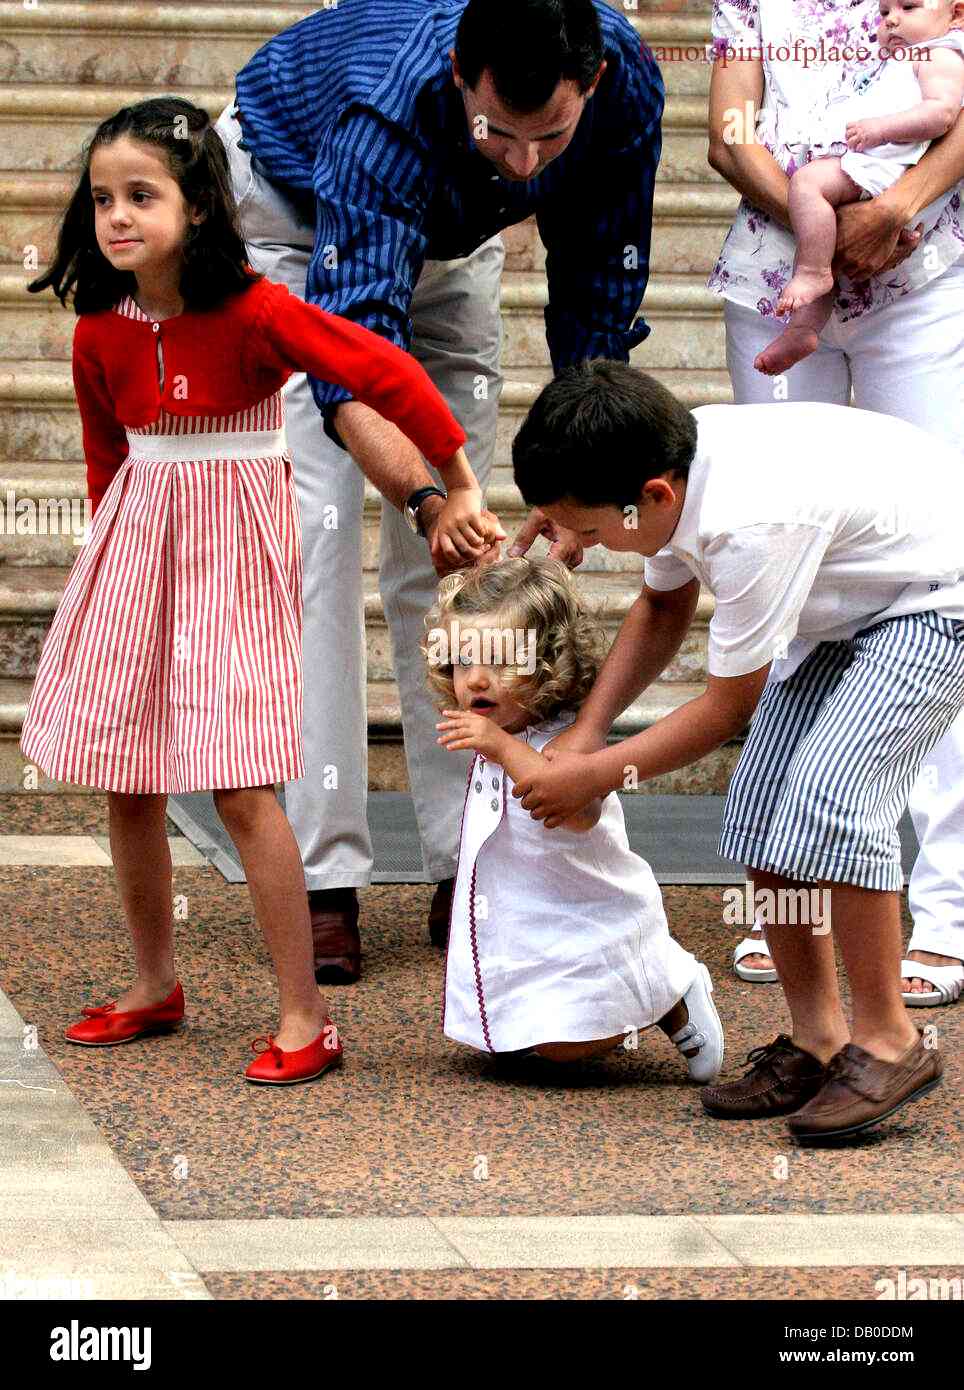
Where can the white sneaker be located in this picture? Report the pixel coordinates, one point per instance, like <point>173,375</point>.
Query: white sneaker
<point>703,1030</point>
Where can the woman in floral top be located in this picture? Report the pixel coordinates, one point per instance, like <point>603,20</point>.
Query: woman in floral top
<point>894,337</point>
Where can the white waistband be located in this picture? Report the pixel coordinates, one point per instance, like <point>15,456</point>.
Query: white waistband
<point>188,448</point>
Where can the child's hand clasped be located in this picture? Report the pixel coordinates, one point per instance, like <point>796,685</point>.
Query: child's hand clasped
<point>460,729</point>
<point>862,135</point>
<point>563,788</point>
<point>464,530</point>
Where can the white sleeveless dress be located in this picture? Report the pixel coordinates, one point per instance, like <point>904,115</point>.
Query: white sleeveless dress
<point>896,89</point>
<point>555,935</point>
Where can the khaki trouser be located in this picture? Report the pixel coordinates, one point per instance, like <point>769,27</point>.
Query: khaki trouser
<point>457,337</point>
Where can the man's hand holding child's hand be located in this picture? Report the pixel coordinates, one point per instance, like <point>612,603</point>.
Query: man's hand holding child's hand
<point>461,531</point>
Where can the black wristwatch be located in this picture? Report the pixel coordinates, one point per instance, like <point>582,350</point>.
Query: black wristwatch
<point>415,501</point>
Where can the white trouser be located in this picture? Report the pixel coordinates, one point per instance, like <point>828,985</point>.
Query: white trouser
<point>457,337</point>
<point>906,359</point>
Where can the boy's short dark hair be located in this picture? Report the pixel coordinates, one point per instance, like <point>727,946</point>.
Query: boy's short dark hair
<point>597,434</point>
<point>529,47</point>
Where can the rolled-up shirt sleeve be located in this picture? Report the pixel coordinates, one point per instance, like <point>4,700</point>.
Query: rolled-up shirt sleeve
<point>598,243</point>
<point>371,185</point>
<point>665,571</point>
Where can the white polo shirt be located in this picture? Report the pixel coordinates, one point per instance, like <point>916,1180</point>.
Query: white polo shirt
<point>808,522</point>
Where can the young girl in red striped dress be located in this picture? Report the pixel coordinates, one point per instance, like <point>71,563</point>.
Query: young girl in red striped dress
<point>173,663</point>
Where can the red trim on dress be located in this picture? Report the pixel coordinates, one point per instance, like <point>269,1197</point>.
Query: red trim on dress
<point>479,992</point>
<point>455,884</point>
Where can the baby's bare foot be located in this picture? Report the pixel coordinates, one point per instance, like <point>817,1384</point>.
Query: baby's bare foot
<point>807,285</point>
<point>792,346</point>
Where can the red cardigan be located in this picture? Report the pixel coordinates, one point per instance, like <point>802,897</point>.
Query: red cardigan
<point>223,360</point>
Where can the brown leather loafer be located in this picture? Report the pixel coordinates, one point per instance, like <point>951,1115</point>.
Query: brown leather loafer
<point>861,1090</point>
<point>334,933</point>
<point>782,1077</point>
<point>440,912</point>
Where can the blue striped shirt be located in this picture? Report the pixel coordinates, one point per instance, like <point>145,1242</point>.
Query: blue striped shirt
<point>356,105</point>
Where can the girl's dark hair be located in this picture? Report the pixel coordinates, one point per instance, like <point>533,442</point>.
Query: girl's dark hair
<point>214,251</point>
<point>597,434</point>
<point>529,47</point>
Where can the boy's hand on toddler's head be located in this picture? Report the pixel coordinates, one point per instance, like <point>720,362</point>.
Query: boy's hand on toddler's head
<point>460,729</point>
<point>566,545</point>
<point>561,789</point>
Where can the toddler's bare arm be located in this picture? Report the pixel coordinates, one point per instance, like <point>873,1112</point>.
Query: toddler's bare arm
<point>520,760</point>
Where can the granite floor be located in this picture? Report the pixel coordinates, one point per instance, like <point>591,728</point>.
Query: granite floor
<point>413,1126</point>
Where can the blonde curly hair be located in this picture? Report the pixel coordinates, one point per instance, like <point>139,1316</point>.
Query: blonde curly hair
<point>535,595</point>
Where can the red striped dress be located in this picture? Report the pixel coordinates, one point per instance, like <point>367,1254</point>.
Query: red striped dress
<point>173,663</point>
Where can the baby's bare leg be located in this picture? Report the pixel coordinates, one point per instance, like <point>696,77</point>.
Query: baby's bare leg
<point>576,1051</point>
<point>798,340</point>
<point>816,191</point>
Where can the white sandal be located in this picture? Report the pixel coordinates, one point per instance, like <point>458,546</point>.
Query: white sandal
<point>948,981</point>
<point>754,946</point>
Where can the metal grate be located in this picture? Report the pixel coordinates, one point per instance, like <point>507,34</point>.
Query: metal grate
<point>678,835</point>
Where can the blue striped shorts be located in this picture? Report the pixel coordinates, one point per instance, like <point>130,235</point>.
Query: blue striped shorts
<point>834,750</point>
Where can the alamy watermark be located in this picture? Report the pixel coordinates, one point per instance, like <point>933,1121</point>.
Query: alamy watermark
<point>489,646</point>
<point>45,516</point>
<point>750,906</point>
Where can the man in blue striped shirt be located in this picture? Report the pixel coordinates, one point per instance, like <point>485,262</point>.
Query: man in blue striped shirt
<point>377,148</point>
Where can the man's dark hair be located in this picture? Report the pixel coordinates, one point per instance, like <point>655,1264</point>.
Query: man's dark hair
<point>597,434</point>
<point>529,47</point>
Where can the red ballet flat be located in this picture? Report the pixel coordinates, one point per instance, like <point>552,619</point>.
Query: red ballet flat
<point>275,1067</point>
<point>103,1025</point>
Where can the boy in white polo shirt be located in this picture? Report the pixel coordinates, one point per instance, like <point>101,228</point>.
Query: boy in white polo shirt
<point>831,539</point>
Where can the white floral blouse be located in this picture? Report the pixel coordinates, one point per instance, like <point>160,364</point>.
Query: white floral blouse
<point>756,260</point>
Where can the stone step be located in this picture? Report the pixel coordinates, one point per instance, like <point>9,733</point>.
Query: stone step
<point>173,46</point>
<point>690,221</point>
<point>39,419</point>
<point>386,759</point>
<point>29,595</point>
<point>44,128</point>
<point>686,319</point>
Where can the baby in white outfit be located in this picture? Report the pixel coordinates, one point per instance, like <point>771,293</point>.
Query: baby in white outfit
<point>887,127</point>
<point>558,942</point>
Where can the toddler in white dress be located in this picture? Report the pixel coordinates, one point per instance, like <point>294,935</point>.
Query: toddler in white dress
<point>887,127</point>
<point>558,942</point>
